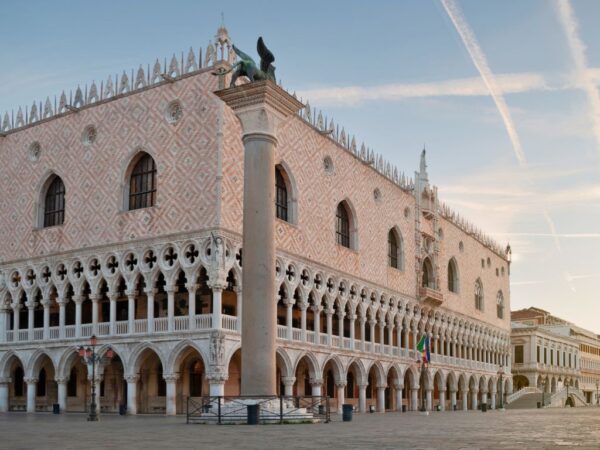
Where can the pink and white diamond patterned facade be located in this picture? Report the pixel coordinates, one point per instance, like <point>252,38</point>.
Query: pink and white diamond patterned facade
<point>367,258</point>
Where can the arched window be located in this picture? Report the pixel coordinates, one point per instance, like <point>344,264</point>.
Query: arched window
<point>452,276</point>
<point>395,255</point>
<point>478,295</point>
<point>500,305</point>
<point>142,183</point>
<point>281,196</point>
<point>54,203</point>
<point>342,226</point>
<point>427,277</point>
<point>161,384</point>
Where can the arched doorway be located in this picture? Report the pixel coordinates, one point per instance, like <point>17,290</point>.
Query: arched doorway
<point>520,382</point>
<point>113,388</point>
<point>151,386</point>
<point>17,392</point>
<point>46,389</point>
<point>192,380</point>
<point>304,373</point>
<point>233,385</point>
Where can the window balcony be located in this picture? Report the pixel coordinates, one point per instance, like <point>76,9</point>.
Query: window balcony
<point>430,295</point>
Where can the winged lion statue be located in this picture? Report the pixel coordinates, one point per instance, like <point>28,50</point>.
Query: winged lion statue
<point>247,67</point>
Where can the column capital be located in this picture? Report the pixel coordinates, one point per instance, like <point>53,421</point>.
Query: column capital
<point>171,377</point>
<point>260,106</point>
<point>191,287</point>
<point>316,381</point>
<point>362,385</point>
<point>61,380</point>
<point>217,377</point>
<point>288,381</point>
<point>5,380</point>
<point>132,378</point>
<point>30,380</point>
<point>340,384</point>
<point>150,291</point>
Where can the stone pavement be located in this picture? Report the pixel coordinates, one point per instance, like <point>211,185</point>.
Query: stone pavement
<point>519,429</point>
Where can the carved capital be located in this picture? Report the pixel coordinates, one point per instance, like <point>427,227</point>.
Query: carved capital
<point>31,380</point>
<point>132,378</point>
<point>288,381</point>
<point>171,377</point>
<point>217,377</point>
<point>316,381</point>
<point>340,384</point>
<point>61,380</point>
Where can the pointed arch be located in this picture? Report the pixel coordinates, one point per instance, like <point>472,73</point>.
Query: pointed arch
<point>50,208</point>
<point>140,182</point>
<point>286,194</point>
<point>284,362</point>
<point>139,354</point>
<point>36,361</point>
<point>346,225</point>
<point>311,362</point>
<point>453,278</point>
<point>427,278</point>
<point>500,305</point>
<point>395,249</point>
<point>479,294</point>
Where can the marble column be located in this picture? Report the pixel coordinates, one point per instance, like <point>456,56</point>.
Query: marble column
<point>381,398</point>
<point>362,398</point>
<point>398,389</point>
<point>4,385</point>
<point>132,393</point>
<point>303,305</point>
<point>362,322</point>
<point>372,324</point>
<point>16,320</point>
<point>131,312</point>
<point>352,319</point>
<point>414,399</point>
<point>170,308</point>
<point>329,314</point>
<point>217,300</point>
<point>149,308</point>
<point>191,288</point>
<point>442,400</point>
<point>428,400</point>
<point>61,383</point>
<point>452,400</point>
<point>288,383</point>
<point>341,391</point>
<point>289,303</point>
<point>31,391</point>
<point>484,397</point>
<point>46,305</point>
<point>30,318</point>
<point>260,107</point>
<point>317,324</point>
<point>316,385</point>
<point>171,391</point>
<point>112,313</point>
<point>95,300</point>
<point>493,400</point>
<point>61,316</point>
<point>216,384</point>
<point>474,399</point>
<point>78,300</point>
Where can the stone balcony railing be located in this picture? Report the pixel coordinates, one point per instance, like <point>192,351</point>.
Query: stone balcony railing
<point>158,325</point>
<point>430,295</point>
<point>204,322</point>
<point>539,367</point>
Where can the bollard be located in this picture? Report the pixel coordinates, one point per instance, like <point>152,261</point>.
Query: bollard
<point>55,408</point>
<point>484,407</point>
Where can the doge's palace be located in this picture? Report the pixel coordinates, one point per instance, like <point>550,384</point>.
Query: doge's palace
<point>121,208</point>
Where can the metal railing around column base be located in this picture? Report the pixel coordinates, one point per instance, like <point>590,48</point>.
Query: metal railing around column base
<point>272,409</point>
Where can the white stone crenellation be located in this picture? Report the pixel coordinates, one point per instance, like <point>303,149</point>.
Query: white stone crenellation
<point>122,84</point>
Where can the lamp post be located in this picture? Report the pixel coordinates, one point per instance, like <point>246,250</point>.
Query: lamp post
<point>544,381</point>
<point>89,356</point>
<point>423,398</point>
<point>597,395</point>
<point>501,402</point>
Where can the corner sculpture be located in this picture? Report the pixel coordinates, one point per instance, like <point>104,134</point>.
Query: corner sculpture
<point>247,67</point>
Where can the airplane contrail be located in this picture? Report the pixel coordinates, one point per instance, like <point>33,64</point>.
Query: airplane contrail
<point>480,62</point>
<point>583,74</point>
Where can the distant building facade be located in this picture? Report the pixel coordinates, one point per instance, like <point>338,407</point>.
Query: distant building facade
<point>121,217</point>
<point>550,353</point>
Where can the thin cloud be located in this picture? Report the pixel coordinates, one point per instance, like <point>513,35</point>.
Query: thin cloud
<point>464,87</point>
<point>480,61</point>
<point>583,75</point>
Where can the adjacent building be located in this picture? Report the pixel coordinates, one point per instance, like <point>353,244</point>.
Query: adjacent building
<point>121,217</point>
<point>551,353</point>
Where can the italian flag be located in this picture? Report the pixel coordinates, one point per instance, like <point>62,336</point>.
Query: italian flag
<point>423,347</point>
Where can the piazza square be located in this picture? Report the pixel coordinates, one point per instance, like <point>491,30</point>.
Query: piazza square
<point>193,255</point>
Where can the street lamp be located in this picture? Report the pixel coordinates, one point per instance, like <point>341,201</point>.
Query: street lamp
<point>501,374</point>
<point>89,356</point>
<point>597,395</point>
<point>423,399</point>
<point>544,381</point>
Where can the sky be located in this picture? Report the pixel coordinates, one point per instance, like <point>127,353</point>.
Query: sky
<point>503,95</point>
